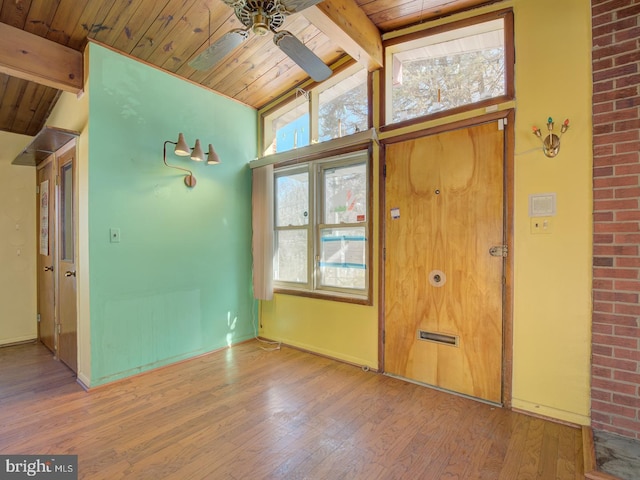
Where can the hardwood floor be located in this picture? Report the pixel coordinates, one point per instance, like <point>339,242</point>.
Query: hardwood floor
<point>244,413</point>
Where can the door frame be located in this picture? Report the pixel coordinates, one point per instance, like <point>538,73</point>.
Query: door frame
<point>507,301</point>
<point>54,219</point>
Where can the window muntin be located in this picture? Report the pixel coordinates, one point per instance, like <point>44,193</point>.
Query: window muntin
<point>343,108</point>
<point>447,70</point>
<point>337,250</point>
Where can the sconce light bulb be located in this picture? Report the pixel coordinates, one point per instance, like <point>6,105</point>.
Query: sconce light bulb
<point>550,120</point>
<point>566,122</point>
<point>536,131</point>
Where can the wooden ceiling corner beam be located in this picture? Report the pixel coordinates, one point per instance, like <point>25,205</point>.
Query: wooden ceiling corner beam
<point>34,58</point>
<point>345,23</point>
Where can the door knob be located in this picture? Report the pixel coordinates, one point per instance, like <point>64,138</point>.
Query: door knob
<point>70,273</point>
<point>48,269</point>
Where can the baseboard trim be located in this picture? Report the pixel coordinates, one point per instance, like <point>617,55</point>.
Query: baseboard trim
<point>591,471</point>
<point>323,355</point>
<point>159,367</point>
<point>546,418</point>
<point>19,342</point>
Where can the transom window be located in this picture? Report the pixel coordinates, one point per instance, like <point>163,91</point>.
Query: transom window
<point>336,108</point>
<point>446,70</point>
<point>322,226</point>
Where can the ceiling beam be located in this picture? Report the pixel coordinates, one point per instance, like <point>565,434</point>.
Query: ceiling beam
<point>30,57</point>
<point>348,26</point>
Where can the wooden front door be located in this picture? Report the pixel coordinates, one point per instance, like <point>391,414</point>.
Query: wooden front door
<point>443,289</point>
<point>45,263</point>
<point>67,316</point>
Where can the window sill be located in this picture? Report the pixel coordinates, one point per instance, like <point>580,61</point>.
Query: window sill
<point>329,296</point>
<point>310,151</point>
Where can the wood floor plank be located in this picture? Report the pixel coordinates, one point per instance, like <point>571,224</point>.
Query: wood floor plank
<point>244,413</point>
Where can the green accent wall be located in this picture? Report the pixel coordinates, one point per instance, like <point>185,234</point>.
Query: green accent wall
<point>178,284</point>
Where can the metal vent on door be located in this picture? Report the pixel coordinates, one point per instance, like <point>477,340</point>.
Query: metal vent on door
<point>440,338</point>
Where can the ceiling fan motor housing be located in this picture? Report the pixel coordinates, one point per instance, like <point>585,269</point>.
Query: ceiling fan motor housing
<point>261,16</point>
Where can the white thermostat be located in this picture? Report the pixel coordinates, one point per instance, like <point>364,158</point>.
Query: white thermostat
<point>542,204</point>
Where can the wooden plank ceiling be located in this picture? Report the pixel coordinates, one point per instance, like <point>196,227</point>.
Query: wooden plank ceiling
<point>169,33</point>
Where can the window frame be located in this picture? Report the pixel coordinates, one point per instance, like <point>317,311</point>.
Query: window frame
<point>315,168</point>
<point>309,92</point>
<point>395,39</point>
<point>315,100</point>
<point>306,227</point>
<point>297,101</point>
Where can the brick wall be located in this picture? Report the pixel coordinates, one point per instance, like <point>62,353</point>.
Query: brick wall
<point>615,376</point>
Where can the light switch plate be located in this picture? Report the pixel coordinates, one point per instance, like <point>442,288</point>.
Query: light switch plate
<point>541,225</point>
<point>114,235</point>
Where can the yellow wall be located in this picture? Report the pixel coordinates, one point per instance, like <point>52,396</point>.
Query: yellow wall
<point>17,244</point>
<point>552,314</point>
<point>552,274</point>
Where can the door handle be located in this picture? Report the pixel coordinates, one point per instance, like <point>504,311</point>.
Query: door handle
<point>48,269</point>
<point>70,273</point>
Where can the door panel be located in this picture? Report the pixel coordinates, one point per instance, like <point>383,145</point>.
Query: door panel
<point>67,321</point>
<point>46,242</point>
<point>444,211</point>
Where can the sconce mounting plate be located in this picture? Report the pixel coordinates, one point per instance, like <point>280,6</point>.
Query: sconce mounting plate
<point>551,145</point>
<point>190,181</point>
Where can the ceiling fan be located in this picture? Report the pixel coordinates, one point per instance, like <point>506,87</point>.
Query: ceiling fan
<point>261,17</point>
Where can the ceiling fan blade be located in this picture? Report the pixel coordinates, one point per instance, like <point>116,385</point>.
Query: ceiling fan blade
<point>299,53</point>
<point>218,50</point>
<point>297,5</point>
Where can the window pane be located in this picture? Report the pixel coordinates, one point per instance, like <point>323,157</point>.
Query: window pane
<point>288,129</point>
<point>66,213</point>
<point>448,74</point>
<point>290,260</point>
<point>342,257</point>
<point>343,108</point>
<point>345,194</point>
<point>292,199</point>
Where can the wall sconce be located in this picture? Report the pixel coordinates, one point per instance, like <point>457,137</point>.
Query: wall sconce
<point>183,150</point>
<point>551,142</point>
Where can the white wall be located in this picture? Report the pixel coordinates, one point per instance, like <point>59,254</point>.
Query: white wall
<point>17,244</point>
